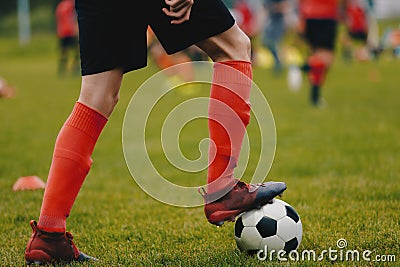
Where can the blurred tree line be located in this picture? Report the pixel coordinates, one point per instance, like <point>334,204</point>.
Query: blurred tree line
<point>9,7</point>
<point>41,16</point>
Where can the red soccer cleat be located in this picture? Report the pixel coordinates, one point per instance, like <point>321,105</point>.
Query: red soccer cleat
<point>49,248</point>
<point>241,198</point>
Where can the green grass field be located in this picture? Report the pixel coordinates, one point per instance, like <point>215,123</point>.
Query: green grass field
<point>341,164</point>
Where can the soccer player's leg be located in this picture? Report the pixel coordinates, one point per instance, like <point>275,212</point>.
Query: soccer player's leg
<point>63,60</point>
<point>316,76</point>
<point>106,53</point>
<point>321,36</point>
<point>71,162</point>
<point>229,114</point>
<point>212,28</point>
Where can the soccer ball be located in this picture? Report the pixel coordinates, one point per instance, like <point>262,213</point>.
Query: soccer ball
<point>276,226</point>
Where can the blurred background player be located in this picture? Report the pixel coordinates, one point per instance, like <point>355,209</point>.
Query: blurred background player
<point>275,28</point>
<point>391,41</point>
<point>373,29</point>
<point>356,23</point>
<point>67,32</point>
<point>250,17</point>
<point>318,25</point>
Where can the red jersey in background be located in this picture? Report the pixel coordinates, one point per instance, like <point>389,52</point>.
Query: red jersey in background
<point>66,19</point>
<point>319,9</point>
<point>356,18</point>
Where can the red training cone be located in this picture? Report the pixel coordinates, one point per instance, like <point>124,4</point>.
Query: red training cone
<point>28,183</point>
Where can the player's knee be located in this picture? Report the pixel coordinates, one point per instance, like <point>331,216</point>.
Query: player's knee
<point>325,55</point>
<point>101,91</point>
<point>239,47</point>
<point>104,103</point>
<point>110,102</point>
<point>230,45</point>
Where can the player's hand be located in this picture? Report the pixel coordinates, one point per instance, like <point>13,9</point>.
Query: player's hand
<point>179,10</point>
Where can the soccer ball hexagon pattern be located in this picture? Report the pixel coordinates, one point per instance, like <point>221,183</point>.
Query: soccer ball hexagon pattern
<point>276,226</point>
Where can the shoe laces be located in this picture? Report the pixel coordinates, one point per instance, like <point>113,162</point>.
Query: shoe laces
<point>203,192</point>
<point>239,185</point>
<point>242,185</point>
<point>72,244</point>
<point>250,187</point>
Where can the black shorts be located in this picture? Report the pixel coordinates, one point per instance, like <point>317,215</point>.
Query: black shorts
<point>68,42</point>
<point>321,33</point>
<point>360,36</point>
<point>113,33</point>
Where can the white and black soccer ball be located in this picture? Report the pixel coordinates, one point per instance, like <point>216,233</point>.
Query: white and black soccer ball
<point>276,226</point>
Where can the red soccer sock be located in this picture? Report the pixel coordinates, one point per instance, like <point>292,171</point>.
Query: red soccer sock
<point>229,114</point>
<point>70,165</point>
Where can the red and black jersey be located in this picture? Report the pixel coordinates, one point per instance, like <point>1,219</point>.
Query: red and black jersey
<point>319,9</point>
<point>356,18</point>
<point>66,19</point>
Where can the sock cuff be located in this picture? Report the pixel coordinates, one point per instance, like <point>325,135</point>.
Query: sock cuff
<point>87,120</point>
<point>84,162</point>
<point>52,223</point>
<point>242,73</point>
